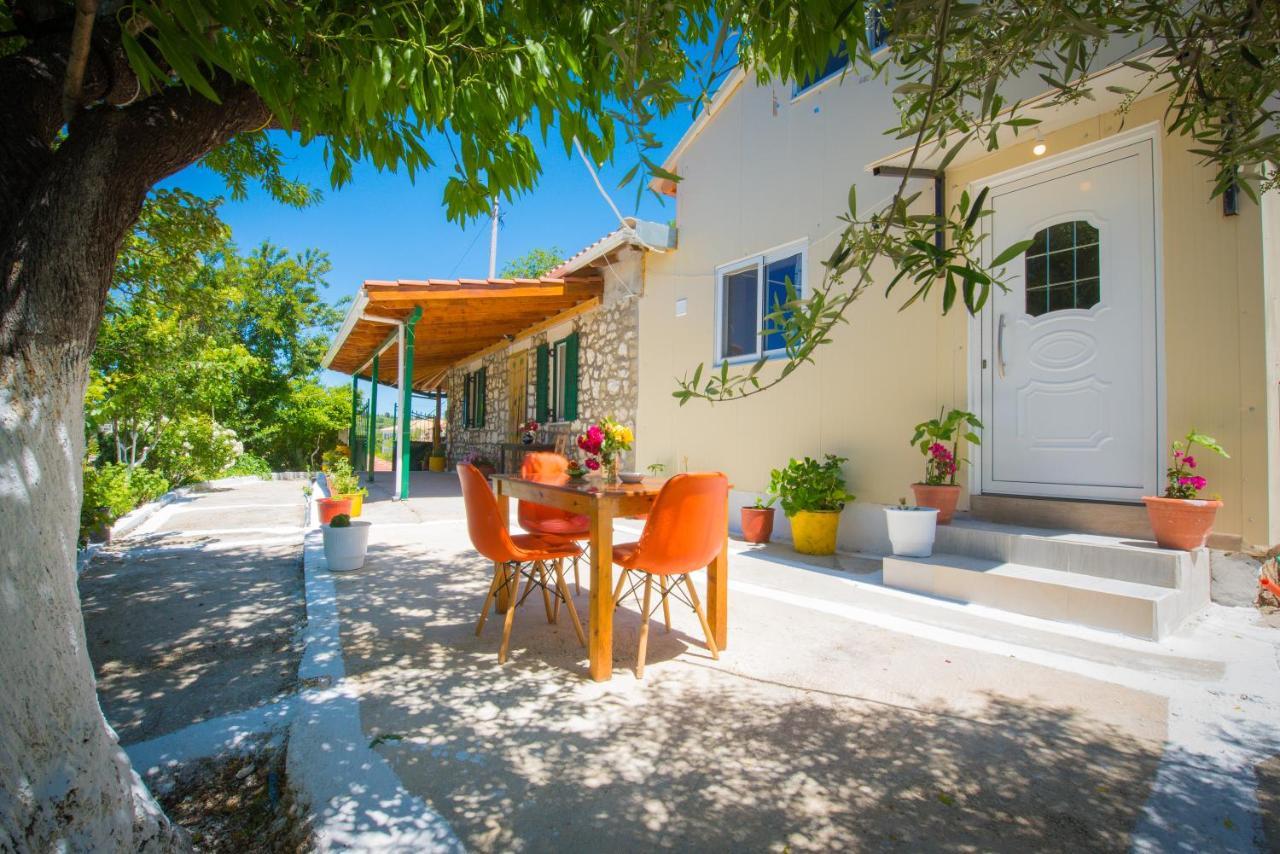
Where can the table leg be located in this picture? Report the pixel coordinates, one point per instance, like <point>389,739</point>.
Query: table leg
<point>600,649</point>
<point>504,514</point>
<point>718,595</point>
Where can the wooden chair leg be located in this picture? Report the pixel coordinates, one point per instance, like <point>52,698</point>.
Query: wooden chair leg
<point>499,579</point>
<point>576,587</point>
<point>568,601</point>
<point>644,626</point>
<point>555,602</point>
<point>506,624</point>
<point>546,593</point>
<point>702,618</point>
<point>663,590</point>
<point>617,589</point>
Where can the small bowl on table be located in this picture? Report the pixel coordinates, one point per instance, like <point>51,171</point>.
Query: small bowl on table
<point>631,476</point>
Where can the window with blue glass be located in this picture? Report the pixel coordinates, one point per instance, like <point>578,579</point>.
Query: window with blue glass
<point>747,293</point>
<point>835,64</point>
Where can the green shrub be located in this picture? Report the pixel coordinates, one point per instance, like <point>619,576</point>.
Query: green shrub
<point>810,485</point>
<point>194,448</point>
<point>110,491</point>
<point>249,465</point>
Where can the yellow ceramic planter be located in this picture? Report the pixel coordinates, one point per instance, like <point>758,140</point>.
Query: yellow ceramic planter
<point>357,502</point>
<point>814,531</point>
<point>435,463</point>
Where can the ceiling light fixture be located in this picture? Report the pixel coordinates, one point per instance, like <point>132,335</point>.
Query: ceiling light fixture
<point>1039,148</point>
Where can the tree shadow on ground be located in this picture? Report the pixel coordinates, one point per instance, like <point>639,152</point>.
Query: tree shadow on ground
<point>179,635</point>
<point>532,755</point>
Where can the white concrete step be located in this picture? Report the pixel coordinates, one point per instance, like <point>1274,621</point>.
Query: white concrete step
<point>1141,610</point>
<point>1117,558</point>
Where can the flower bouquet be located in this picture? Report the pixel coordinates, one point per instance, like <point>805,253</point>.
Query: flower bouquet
<point>529,432</point>
<point>603,443</point>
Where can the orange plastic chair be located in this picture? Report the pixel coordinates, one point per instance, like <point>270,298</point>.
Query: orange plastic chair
<point>546,467</point>
<point>513,556</point>
<point>685,531</point>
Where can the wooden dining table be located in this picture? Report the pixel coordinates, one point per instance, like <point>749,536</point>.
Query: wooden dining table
<point>602,504</point>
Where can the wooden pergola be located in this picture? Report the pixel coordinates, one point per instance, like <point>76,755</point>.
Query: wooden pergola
<point>438,324</point>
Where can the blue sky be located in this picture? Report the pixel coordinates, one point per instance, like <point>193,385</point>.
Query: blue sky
<point>383,226</point>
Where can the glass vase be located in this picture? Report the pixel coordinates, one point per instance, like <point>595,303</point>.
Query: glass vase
<point>611,470</point>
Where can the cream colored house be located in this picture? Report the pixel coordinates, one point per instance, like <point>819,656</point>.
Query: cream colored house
<point>1144,309</point>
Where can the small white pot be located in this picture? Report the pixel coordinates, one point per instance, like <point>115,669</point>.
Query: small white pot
<point>911,530</point>
<point>344,548</point>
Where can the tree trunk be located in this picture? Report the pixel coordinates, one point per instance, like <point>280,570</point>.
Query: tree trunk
<point>64,780</point>
<point>65,783</point>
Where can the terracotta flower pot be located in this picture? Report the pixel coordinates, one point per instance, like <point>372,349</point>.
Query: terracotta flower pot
<point>757,524</point>
<point>486,469</point>
<point>943,498</point>
<point>1181,523</point>
<point>330,507</point>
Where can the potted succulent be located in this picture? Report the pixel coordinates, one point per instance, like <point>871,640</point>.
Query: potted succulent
<point>344,483</point>
<point>812,494</point>
<point>911,529</point>
<point>757,520</point>
<point>345,543</point>
<point>481,462</point>
<point>528,432</point>
<point>1180,518</point>
<point>939,489</point>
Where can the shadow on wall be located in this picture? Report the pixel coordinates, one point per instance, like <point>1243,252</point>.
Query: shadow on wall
<point>531,754</point>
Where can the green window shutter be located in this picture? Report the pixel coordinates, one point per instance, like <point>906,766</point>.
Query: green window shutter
<point>482,389</point>
<point>570,378</point>
<point>542,383</point>
<point>466,401</point>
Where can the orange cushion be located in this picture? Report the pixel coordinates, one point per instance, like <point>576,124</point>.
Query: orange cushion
<point>560,526</point>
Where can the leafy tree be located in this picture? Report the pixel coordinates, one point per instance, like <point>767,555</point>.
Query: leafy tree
<point>104,98</point>
<point>534,263</point>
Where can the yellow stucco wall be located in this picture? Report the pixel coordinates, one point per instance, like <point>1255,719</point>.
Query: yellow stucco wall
<point>769,169</point>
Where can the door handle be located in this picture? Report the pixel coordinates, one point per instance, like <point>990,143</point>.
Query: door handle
<point>1000,346</point>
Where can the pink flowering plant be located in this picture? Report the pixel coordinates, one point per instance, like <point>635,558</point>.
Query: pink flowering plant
<point>603,442</point>
<point>1184,481</point>
<point>939,441</point>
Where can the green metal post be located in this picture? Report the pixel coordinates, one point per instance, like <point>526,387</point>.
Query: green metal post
<point>355,419</point>
<point>406,399</point>
<point>373,418</point>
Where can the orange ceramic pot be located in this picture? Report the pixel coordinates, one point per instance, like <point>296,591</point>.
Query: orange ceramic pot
<point>942,498</point>
<point>757,524</point>
<point>1181,523</point>
<point>330,507</point>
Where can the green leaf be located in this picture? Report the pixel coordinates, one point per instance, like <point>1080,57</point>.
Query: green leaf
<point>1011,252</point>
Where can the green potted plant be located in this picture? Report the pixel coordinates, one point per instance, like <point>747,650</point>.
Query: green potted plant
<point>757,520</point>
<point>345,543</point>
<point>939,489</point>
<point>436,461</point>
<point>812,495</point>
<point>345,483</point>
<point>1180,518</point>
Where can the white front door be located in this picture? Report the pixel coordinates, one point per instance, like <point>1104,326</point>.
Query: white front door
<point>1070,386</point>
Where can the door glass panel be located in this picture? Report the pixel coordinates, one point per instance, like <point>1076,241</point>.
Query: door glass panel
<point>1062,268</point>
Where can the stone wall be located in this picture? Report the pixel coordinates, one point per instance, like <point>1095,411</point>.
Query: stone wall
<point>608,369</point>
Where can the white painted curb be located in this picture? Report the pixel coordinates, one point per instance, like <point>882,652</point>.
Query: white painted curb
<point>357,800</point>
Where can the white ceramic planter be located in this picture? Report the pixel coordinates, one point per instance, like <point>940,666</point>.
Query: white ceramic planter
<point>911,530</point>
<point>344,548</point>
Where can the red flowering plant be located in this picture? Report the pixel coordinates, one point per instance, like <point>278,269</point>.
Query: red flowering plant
<point>530,427</point>
<point>931,437</point>
<point>1183,481</point>
<point>604,441</point>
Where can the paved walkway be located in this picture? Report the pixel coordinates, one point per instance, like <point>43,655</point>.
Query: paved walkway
<point>843,715</point>
<point>196,613</point>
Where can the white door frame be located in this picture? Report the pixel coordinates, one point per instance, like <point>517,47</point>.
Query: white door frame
<point>1150,131</point>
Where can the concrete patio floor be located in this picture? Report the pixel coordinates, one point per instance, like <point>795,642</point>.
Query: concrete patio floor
<point>842,715</point>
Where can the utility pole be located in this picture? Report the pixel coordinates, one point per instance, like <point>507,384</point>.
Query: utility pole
<point>493,240</point>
